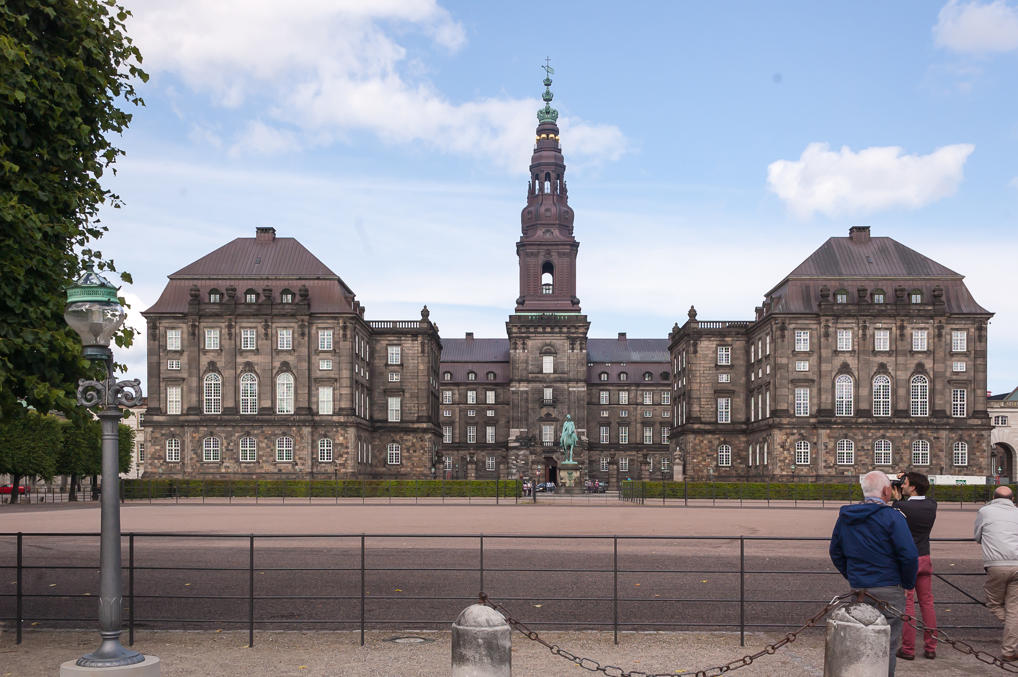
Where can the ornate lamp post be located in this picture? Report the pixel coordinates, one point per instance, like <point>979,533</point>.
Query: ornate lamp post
<point>95,313</point>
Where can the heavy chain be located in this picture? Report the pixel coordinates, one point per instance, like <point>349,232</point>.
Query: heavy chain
<point>615,671</point>
<point>957,644</point>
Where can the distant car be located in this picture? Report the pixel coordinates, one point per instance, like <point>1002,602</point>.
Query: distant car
<point>22,489</point>
<point>548,487</point>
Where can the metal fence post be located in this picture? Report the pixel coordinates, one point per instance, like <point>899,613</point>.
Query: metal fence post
<point>742,591</point>
<point>615,587</point>
<point>685,491</point>
<point>130,589</point>
<point>257,489</point>
<point>481,570</point>
<point>362,590</point>
<point>20,621</point>
<point>250,591</point>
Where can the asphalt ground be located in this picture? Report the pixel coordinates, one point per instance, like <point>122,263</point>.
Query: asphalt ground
<point>414,583</point>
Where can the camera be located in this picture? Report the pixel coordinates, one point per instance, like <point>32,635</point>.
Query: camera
<point>897,482</point>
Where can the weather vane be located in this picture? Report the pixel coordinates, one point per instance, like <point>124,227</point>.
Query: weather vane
<point>547,66</point>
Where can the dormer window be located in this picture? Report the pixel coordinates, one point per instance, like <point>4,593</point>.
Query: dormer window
<point>841,296</point>
<point>647,376</point>
<point>250,296</point>
<point>215,296</point>
<point>286,296</point>
<point>490,376</point>
<point>603,376</point>
<point>623,376</point>
<point>446,375</point>
<point>878,296</point>
<point>471,376</point>
<point>915,296</point>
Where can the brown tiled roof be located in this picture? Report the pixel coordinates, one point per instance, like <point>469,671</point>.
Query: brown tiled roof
<point>325,295</point>
<point>249,257</point>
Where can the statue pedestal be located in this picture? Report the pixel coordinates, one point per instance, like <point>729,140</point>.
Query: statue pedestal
<point>569,478</point>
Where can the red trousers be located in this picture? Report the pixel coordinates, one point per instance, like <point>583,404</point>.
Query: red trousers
<point>923,588</point>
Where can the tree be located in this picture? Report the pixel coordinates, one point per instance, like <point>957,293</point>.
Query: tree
<point>81,452</point>
<point>28,445</point>
<point>67,65</point>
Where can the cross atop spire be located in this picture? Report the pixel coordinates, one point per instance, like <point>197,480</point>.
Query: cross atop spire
<point>547,114</point>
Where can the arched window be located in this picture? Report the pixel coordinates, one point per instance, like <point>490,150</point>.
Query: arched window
<point>490,376</point>
<point>446,375</point>
<point>623,376</point>
<point>960,453</point>
<point>920,452</point>
<point>284,450</point>
<point>471,375</point>
<point>325,451</point>
<point>882,452</point>
<point>250,296</point>
<point>213,391</point>
<point>603,376</point>
<point>286,296</point>
<point>725,455</point>
<point>215,296</point>
<point>881,395</point>
<point>248,450</point>
<point>547,278</point>
<point>802,452</point>
<point>647,376</point>
<point>846,452</point>
<point>284,393</point>
<point>919,396</point>
<point>843,395</point>
<point>211,450</point>
<point>248,393</point>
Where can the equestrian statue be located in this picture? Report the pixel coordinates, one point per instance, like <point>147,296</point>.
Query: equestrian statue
<point>568,439</point>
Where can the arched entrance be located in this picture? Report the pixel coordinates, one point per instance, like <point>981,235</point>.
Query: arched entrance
<point>551,470</point>
<point>1002,461</point>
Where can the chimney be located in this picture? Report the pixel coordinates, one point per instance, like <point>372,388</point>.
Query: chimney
<point>265,233</point>
<point>622,336</point>
<point>470,336</point>
<point>860,234</point>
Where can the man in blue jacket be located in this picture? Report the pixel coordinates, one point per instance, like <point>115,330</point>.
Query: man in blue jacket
<point>872,547</point>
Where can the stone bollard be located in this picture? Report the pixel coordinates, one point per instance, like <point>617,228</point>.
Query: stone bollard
<point>857,643</point>
<point>481,644</point>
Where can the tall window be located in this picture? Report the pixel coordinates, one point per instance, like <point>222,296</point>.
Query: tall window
<point>882,452</point>
<point>959,341</point>
<point>489,434</point>
<point>325,339</point>
<point>549,394</point>
<point>393,355</point>
<point>603,397</point>
<point>666,431</point>
<point>802,401</point>
<point>547,364</point>
<point>211,450</point>
<point>648,434</point>
<point>959,403</point>
<point>604,434</point>
<point>447,434</point>
<point>919,340</point>
<point>547,434</point>
<point>213,394</point>
<point>724,354</point>
<point>919,394</point>
<point>960,453</point>
<point>248,339</point>
<point>881,395</point>
<point>284,393</point>
<point>211,339</point>
<point>845,452</point>
<point>605,461</point>
<point>471,397</point>
<point>623,465</point>
<point>489,397</point>
<point>446,397</point>
<point>471,375</point>
<point>173,450</point>
<point>471,434</point>
<point>392,454</point>
<point>325,451</point>
<point>801,339</point>
<point>881,340</point>
<point>284,339</point>
<point>325,400</point>
<point>843,396</point>
<point>284,450</point>
<point>802,452</point>
<point>725,455</point>
<point>248,450</point>
<point>844,339</point>
<point>623,434</point>
<point>920,452</point>
<point>394,408</point>
<point>489,463</point>
<point>173,339</point>
<point>623,397</point>
<point>666,397</point>
<point>724,410</point>
<point>173,400</point>
<point>248,393</point>
<point>648,398</point>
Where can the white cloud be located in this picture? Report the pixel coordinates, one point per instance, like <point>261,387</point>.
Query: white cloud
<point>1014,182</point>
<point>976,27</point>
<point>875,178</point>
<point>329,69</point>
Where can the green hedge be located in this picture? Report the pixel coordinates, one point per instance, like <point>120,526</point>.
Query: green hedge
<point>830,491</point>
<point>134,489</point>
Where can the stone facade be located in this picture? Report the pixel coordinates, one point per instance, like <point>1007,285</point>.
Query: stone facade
<point>1003,411</point>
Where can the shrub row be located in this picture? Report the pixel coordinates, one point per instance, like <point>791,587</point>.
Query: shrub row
<point>191,488</point>
<point>954,493</point>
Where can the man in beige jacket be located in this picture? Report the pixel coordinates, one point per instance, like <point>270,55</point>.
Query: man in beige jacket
<point>997,531</point>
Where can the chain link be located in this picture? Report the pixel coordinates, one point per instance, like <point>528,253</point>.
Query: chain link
<point>614,671</point>
<point>957,644</point>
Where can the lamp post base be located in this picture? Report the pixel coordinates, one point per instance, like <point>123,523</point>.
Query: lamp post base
<point>148,667</point>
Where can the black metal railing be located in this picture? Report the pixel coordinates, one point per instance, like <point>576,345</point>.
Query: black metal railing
<point>353,585</point>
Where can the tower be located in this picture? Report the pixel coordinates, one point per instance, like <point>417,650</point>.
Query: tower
<point>547,333</point>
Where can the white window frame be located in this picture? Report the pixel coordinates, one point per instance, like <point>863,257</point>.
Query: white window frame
<point>881,395</point>
<point>725,455</point>
<point>211,450</point>
<point>173,450</point>
<point>325,339</point>
<point>666,432</point>
<point>489,397</point>
<point>960,454</point>
<point>881,340</point>
<point>325,450</point>
<point>648,434</point>
<point>802,450</point>
<point>801,340</point>
<point>394,354</point>
<point>959,340</point>
<point>845,452</point>
<point>919,395</point>
<point>920,452</point>
<point>724,355</point>
<point>393,454</point>
<point>724,409</point>
<point>959,403</point>
<point>623,397</point>
<point>248,450</point>
<point>883,452</point>
<point>920,340</point>
<point>284,339</point>
<point>623,464</point>
<point>173,365</point>
<point>471,434</point>
<point>394,377</point>
<point>173,401</point>
<point>248,339</point>
<point>666,398</point>
<point>802,365</point>
<point>648,398</point>
<point>284,449</point>
<point>801,402</point>
<point>489,463</point>
<point>325,364</point>
<point>173,339</point>
<point>489,434</point>
<point>212,393</point>
<point>605,463</point>
<point>844,395</point>
<point>547,364</point>
<point>248,393</point>
<point>959,367</point>
<point>547,434</point>
<point>623,433</point>
<point>603,397</point>
<point>447,434</point>
<point>325,400</point>
<point>844,339</point>
<point>285,392</point>
<point>471,397</point>
<point>724,377</point>
<point>211,338</point>
<point>394,408</point>
<point>446,397</point>
<point>604,434</point>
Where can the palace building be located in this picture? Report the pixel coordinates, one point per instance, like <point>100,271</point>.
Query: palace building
<point>868,355</point>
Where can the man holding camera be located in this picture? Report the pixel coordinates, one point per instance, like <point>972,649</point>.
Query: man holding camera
<point>920,512</point>
<point>997,531</point>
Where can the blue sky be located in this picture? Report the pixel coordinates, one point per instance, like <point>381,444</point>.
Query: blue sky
<point>710,147</point>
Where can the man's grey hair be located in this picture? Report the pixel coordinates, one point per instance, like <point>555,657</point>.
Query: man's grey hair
<point>873,484</point>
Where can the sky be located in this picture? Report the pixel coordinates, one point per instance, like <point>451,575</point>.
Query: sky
<point>710,148</point>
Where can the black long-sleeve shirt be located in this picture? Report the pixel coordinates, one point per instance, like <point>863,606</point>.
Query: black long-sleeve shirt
<point>920,513</point>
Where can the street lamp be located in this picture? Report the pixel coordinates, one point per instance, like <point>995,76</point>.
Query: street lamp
<point>95,313</point>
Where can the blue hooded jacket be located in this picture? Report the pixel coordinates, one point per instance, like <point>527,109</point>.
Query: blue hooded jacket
<point>872,547</point>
